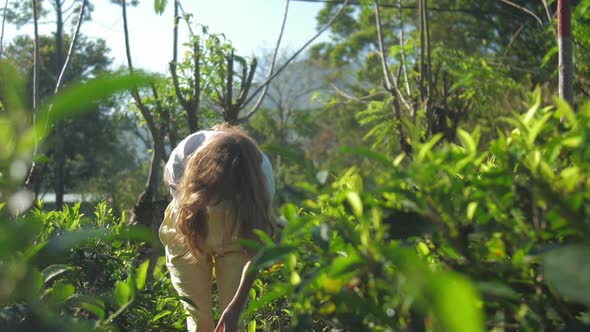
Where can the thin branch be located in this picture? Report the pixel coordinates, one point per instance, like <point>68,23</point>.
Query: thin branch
<point>363,99</point>
<point>384,67</point>
<point>324,28</point>
<point>473,11</point>
<point>403,52</point>
<point>3,22</point>
<point>512,41</point>
<point>36,60</point>
<point>116,313</point>
<point>188,23</point>
<point>547,11</point>
<point>390,82</point>
<point>72,44</point>
<point>247,78</point>
<point>428,53</point>
<point>524,9</point>
<point>69,8</point>
<point>270,70</point>
<point>422,47</point>
<point>174,61</point>
<point>35,168</point>
<point>142,108</point>
<point>229,88</point>
<point>193,120</point>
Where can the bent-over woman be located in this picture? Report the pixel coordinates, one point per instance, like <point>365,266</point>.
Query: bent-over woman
<point>222,188</point>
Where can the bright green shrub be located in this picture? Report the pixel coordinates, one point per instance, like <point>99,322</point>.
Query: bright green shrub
<point>459,239</point>
<point>61,270</point>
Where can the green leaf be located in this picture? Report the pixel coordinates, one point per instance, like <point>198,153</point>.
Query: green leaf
<point>549,55</point>
<point>121,293</point>
<point>161,315</point>
<point>269,256</point>
<point>264,237</point>
<point>354,199</point>
<point>423,248</point>
<point>279,291</point>
<point>80,98</point>
<point>567,269</point>
<point>289,211</point>
<point>295,278</point>
<point>54,270</point>
<point>252,326</point>
<point>427,147</point>
<point>536,128</point>
<point>88,303</point>
<point>160,6</point>
<point>12,87</point>
<point>36,282</point>
<point>141,274</point>
<point>7,139</point>
<point>533,110</point>
<point>344,265</point>
<point>564,110</point>
<point>468,142</point>
<point>55,248</point>
<point>60,291</point>
<point>471,208</point>
<point>456,303</point>
<point>497,289</point>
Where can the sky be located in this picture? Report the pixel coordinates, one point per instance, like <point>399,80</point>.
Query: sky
<point>251,25</point>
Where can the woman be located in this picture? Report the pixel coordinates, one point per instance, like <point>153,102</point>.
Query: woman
<point>222,187</point>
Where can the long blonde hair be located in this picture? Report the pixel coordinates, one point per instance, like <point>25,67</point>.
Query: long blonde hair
<point>227,169</point>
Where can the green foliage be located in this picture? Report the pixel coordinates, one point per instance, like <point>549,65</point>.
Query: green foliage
<point>61,270</point>
<point>462,239</point>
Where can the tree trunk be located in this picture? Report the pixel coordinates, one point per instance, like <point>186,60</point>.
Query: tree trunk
<point>148,211</point>
<point>59,129</point>
<point>564,35</point>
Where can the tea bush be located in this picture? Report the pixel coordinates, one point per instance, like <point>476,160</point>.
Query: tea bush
<point>464,237</point>
<point>460,239</point>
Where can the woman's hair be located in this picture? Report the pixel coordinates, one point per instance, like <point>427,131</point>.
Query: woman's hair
<point>228,170</point>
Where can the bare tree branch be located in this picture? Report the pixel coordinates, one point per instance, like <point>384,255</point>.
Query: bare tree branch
<point>36,59</point>
<point>229,88</point>
<point>514,36</point>
<point>363,99</point>
<point>3,22</point>
<point>142,108</point>
<point>472,11</point>
<point>547,11</point>
<point>391,83</point>
<point>402,44</point>
<point>31,180</point>
<point>265,83</point>
<point>389,86</point>
<point>195,104</point>
<point>186,19</point>
<point>272,65</point>
<point>72,44</point>
<point>524,9</point>
<point>174,61</point>
<point>384,67</point>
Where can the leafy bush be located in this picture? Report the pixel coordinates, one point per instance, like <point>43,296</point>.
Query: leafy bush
<point>61,270</point>
<point>83,273</point>
<point>457,240</point>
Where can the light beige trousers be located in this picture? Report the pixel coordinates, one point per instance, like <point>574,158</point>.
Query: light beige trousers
<point>194,278</point>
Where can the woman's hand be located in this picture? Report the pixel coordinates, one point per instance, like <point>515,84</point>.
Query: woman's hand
<point>230,317</point>
<point>229,320</point>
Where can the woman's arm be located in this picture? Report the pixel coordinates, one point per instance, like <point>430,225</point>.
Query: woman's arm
<point>230,317</point>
